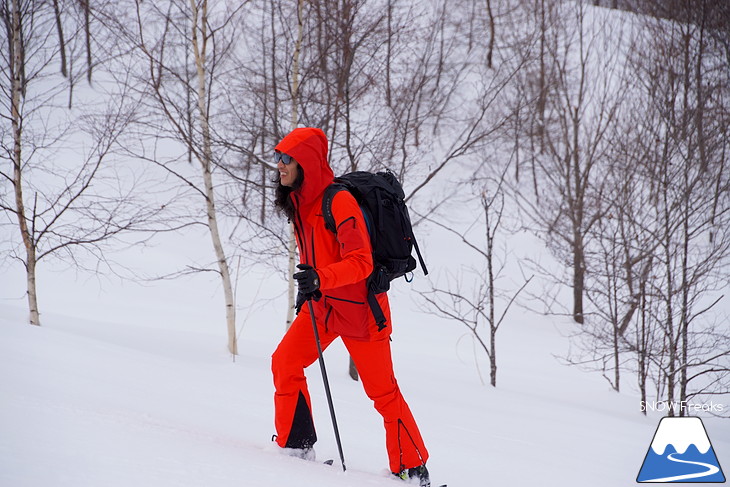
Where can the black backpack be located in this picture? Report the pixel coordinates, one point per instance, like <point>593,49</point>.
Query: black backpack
<point>381,199</point>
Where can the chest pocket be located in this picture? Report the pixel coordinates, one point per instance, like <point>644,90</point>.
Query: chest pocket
<point>350,237</point>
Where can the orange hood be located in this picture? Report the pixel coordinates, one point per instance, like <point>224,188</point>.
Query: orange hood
<point>308,146</point>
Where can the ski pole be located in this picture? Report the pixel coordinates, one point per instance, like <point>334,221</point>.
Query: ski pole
<point>326,383</point>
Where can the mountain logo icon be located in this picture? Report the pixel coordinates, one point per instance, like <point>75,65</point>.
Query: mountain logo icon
<point>681,452</point>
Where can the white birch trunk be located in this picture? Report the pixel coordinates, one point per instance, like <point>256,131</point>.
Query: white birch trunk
<point>292,250</point>
<point>16,89</point>
<point>206,165</point>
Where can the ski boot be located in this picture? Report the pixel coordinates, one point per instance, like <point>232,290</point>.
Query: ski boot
<point>416,474</point>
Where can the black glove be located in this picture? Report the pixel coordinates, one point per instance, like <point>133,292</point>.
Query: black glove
<point>308,282</point>
<point>301,299</point>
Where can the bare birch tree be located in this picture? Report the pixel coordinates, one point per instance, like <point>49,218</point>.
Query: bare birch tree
<point>574,89</point>
<point>473,302</point>
<point>684,72</point>
<point>199,40</point>
<point>179,48</point>
<point>68,202</point>
<point>292,245</point>
<point>656,262</point>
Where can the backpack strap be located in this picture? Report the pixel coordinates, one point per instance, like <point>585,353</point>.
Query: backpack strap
<point>329,195</point>
<point>420,258</point>
<point>376,309</point>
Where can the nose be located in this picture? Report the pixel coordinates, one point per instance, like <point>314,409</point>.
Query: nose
<point>280,165</point>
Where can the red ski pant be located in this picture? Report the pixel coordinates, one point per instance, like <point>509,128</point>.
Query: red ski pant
<point>292,405</point>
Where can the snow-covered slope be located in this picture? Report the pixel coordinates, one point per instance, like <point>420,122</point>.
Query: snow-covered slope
<point>120,401</point>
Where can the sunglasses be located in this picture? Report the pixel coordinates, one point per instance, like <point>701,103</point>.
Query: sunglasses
<point>285,158</point>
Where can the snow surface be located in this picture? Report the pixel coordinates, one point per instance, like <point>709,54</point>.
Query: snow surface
<point>132,385</point>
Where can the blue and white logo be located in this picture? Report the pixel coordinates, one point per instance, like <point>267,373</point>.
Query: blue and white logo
<point>681,452</point>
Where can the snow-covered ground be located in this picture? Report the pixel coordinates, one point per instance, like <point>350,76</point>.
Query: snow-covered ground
<point>127,385</point>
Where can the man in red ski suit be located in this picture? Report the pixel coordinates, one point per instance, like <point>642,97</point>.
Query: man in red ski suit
<point>334,268</point>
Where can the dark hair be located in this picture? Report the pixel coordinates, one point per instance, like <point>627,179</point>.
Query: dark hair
<point>282,199</point>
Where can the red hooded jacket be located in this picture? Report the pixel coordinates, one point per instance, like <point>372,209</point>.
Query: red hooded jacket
<point>344,260</point>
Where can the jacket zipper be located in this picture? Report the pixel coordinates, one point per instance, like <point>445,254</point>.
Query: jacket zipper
<point>299,229</point>
<point>326,318</point>
<point>343,300</point>
<point>314,255</point>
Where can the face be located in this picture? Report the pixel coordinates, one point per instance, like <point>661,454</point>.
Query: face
<point>288,172</point>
